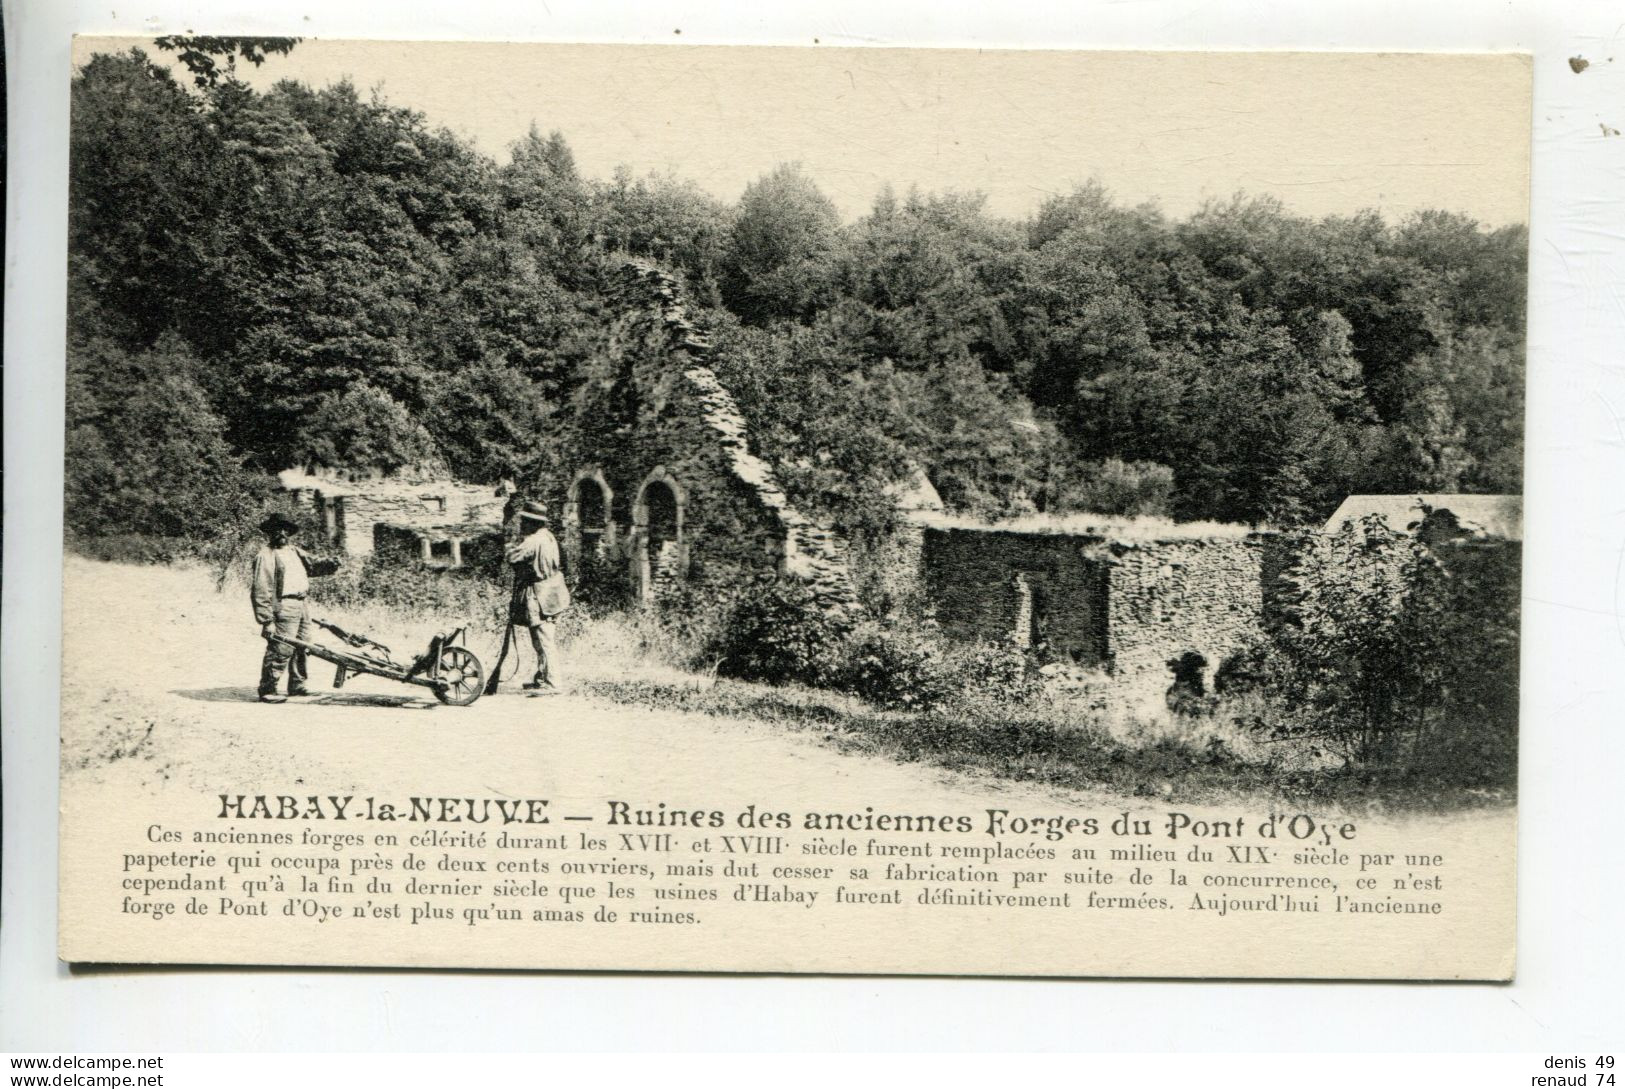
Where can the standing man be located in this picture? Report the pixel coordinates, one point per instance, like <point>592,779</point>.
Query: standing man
<point>539,591</point>
<point>281,580</point>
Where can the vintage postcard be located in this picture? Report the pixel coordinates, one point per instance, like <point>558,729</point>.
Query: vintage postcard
<point>767,509</point>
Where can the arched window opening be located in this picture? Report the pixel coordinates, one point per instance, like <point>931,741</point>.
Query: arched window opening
<point>662,504</point>
<point>589,532</point>
<point>592,513</point>
<point>658,555</point>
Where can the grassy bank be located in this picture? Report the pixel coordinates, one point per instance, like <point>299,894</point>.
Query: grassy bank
<point>1172,759</point>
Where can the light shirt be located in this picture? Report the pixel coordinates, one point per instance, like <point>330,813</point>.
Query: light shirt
<point>538,555</point>
<point>292,577</point>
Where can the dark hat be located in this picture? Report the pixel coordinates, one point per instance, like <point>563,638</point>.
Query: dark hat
<point>279,523</point>
<point>534,509</point>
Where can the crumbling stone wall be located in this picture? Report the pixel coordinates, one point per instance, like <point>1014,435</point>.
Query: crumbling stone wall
<point>1167,599</point>
<point>1027,588</point>
<point>347,512</point>
<point>422,506</point>
<point>469,548</point>
<point>653,415</point>
<point>1129,607</point>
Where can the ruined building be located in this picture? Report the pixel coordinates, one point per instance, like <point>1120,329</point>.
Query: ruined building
<point>657,492</point>
<point>444,523</point>
<point>1125,599</point>
<point>660,488</point>
<point>660,501</point>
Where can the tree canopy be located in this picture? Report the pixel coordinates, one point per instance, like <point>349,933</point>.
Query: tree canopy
<point>308,258</point>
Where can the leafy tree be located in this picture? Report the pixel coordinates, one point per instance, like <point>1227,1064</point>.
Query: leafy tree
<point>1080,322</point>
<point>490,421</point>
<point>146,453</point>
<point>783,240</point>
<point>204,56</point>
<point>827,427</point>
<point>363,428</point>
<point>926,279</point>
<point>977,440</point>
<point>1484,272</point>
<point>545,202</point>
<point>669,219</point>
<point>301,245</point>
<point>1114,486</point>
<point>144,195</point>
<point>501,300</point>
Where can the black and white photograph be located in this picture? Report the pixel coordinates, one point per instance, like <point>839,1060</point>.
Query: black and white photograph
<point>793,509</point>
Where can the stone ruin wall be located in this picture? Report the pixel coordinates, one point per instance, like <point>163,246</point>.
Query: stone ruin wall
<point>1086,600</point>
<point>415,507</point>
<point>470,548</point>
<point>1170,598</point>
<point>351,514</point>
<point>1026,588</point>
<point>660,413</point>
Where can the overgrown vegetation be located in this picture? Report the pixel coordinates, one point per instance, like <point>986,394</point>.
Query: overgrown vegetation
<point>1395,655</point>
<point>1392,670</point>
<point>310,274</point>
<point>319,257</point>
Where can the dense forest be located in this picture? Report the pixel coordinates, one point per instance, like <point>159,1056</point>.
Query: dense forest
<point>259,279</point>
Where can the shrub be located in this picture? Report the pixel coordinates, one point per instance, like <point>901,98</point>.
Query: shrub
<point>130,548</point>
<point>995,673</point>
<point>601,586</point>
<point>422,592</point>
<point>696,622</point>
<point>907,667</point>
<point>1398,656</point>
<point>1114,486</point>
<point>898,667</point>
<point>781,632</point>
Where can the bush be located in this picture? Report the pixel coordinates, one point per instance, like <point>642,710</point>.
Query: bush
<point>131,548</point>
<point>1400,657</point>
<point>601,585</point>
<point>993,673</point>
<point>896,667</point>
<point>909,668</point>
<point>1113,486</point>
<point>423,592</point>
<point>696,621</point>
<point>780,633</point>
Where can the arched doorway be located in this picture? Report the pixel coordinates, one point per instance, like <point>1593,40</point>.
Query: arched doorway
<point>587,515</point>
<point>589,531</point>
<point>658,558</point>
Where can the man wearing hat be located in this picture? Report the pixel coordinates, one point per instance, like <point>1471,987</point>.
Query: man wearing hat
<point>540,593</point>
<point>281,580</point>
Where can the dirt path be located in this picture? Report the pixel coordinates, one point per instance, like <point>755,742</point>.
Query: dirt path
<point>158,688</point>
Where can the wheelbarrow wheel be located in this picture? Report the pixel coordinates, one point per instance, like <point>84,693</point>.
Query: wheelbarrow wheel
<point>462,678</point>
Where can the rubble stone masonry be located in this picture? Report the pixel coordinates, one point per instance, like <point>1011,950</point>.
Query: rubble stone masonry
<point>655,426</point>
<point>1127,607</point>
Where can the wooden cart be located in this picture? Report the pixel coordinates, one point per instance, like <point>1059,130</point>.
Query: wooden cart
<point>448,668</point>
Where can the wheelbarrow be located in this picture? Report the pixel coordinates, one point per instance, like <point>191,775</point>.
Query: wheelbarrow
<point>448,668</point>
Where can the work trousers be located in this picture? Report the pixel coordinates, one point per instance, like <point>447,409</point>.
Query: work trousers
<point>292,622</point>
<point>544,638</point>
